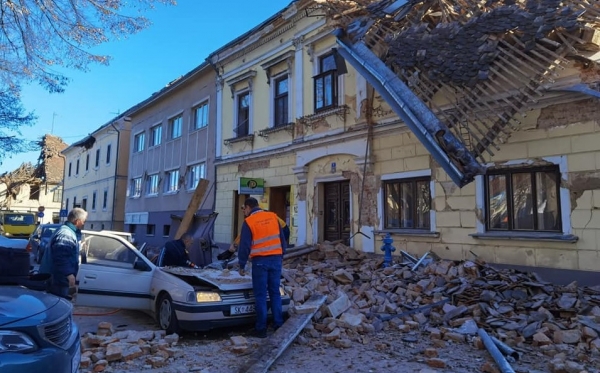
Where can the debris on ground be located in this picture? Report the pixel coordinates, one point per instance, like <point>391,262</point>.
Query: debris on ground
<point>445,301</point>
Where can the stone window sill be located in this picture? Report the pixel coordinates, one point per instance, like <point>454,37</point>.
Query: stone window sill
<point>408,232</point>
<point>525,236</point>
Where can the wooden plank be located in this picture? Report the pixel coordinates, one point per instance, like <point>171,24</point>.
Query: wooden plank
<point>273,347</point>
<point>193,206</point>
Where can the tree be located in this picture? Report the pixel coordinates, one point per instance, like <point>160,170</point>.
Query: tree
<point>12,117</point>
<point>39,38</point>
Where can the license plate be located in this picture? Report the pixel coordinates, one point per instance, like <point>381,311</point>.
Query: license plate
<point>76,360</point>
<point>242,309</point>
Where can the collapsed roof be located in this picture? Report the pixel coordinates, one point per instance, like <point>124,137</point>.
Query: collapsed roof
<point>487,61</point>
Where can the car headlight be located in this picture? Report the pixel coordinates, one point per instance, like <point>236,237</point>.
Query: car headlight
<point>207,296</point>
<point>16,342</point>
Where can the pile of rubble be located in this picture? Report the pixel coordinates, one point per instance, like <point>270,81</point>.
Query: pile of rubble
<point>446,301</point>
<point>154,347</point>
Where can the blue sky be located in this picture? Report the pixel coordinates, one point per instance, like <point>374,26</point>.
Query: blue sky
<point>179,39</point>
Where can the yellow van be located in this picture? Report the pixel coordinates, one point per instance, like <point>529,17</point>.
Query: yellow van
<point>17,224</point>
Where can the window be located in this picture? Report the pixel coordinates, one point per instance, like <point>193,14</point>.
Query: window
<point>97,158</point>
<point>281,101</point>
<point>155,135</point>
<point>195,173</point>
<point>166,230</point>
<point>523,199</point>
<point>150,228</point>
<point>70,167</point>
<point>77,167</point>
<point>325,84</point>
<point>67,204</point>
<point>87,162</point>
<point>407,203</point>
<point>139,142</point>
<point>152,184</point>
<point>75,204</point>
<point>57,194</point>
<point>84,203</point>
<point>172,183</point>
<point>242,127</point>
<point>135,188</point>
<point>175,127</point>
<point>94,195</point>
<point>201,116</point>
<point>105,199</point>
<point>108,149</point>
<point>34,192</point>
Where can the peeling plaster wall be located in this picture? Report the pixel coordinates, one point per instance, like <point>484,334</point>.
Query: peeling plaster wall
<point>570,130</point>
<point>275,171</point>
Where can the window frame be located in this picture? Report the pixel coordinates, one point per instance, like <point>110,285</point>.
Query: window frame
<point>77,167</point>
<point>322,75</point>
<point>508,173</point>
<point>97,161</point>
<point>192,182</point>
<point>285,97</point>
<point>153,139</point>
<point>133,187</point>
<point>237,103</point>
<point>413,181</point>
<point>87,162</point>
<point>205,105</point>
<point>172,126</point>
<point>108,153</point>
<point>169,187</point>
<point>94,198</point>
<point>151,189</point>
<point>139,142</point>
<point>105,199</point>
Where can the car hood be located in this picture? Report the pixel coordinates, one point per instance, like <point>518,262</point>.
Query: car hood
<point>223,279</point>
<point>17,303</point>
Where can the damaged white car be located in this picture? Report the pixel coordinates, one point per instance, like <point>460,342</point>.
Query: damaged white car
<point>114,274</point>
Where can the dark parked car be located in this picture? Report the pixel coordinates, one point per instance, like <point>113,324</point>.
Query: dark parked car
<point>39,239</point>
<point>37,332</point>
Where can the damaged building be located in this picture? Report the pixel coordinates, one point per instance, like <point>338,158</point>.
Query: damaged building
<point>458,127</point>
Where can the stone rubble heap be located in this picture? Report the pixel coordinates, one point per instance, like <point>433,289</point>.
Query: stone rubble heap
<point>108,347</point>
<point>445,301</point>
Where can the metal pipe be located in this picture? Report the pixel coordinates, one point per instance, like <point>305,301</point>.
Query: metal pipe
<point>417,264</point>
<point>495,352</point>
<point>506,349</point>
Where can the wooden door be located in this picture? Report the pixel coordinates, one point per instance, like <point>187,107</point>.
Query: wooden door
<point>337,211</point>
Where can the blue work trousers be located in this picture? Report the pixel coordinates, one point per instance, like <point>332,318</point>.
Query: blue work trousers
<point>266,277</point>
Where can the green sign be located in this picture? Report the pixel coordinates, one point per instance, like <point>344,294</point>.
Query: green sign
<point>250,185</point>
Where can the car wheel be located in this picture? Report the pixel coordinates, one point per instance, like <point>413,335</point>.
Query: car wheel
<point>165,315</point>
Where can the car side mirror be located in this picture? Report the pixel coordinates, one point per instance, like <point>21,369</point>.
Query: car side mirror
<point>140,265</point>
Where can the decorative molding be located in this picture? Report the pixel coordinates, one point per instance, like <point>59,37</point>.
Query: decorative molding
<point>301,173</point>
<point>287,57</point>
<point>311,51</point>
<point>297,42</point>
<point>247,76</point>
<point>233,140</point>
<point>308,120</point>
<point>289,127</point>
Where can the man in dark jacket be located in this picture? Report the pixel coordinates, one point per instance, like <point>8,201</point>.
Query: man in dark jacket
<point>61,258</point>
<point>176,252</point>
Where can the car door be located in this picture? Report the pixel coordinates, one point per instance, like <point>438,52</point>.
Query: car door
<point>113,274</point>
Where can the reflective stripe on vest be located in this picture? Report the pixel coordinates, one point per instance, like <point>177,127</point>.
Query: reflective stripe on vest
<point>265,234</point>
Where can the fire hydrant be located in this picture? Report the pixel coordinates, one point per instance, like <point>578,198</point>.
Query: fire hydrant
<point>388,249</point>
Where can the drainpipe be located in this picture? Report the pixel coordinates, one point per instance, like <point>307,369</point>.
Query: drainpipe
<point>112,214</point>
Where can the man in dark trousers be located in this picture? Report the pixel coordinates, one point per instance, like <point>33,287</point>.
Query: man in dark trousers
<point>262,240</point>
<point>176,252</point>
<point>61,258</point>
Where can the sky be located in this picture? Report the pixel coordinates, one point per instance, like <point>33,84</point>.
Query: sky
<point>179,39</point>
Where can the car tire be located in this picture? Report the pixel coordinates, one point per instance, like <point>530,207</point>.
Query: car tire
<point>165,315</point>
